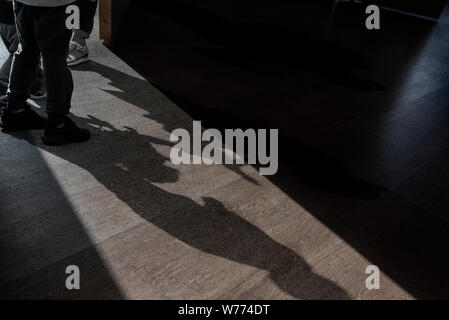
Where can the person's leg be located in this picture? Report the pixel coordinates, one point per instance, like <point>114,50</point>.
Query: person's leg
<point>88,8</point>
<point>9,36</point>
<point>18,114</point>
<point>79,51</point>
<point>58,78</point>
<point>11,42</point>
<point>38,88</point>
<point>26,58</point>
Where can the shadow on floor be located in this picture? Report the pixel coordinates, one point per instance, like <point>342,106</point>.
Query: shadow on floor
<point>235,74</point>
<point>405,241</point>
<point>41,234</point>
<point>126,163</point>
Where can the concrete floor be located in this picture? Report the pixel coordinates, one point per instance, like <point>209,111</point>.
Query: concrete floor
<point>140,227</point>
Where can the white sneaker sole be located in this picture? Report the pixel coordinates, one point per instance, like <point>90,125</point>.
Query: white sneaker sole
<point>77,62</point>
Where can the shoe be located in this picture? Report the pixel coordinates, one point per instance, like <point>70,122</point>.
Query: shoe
<point>78,54</point>
<point>38,94</point>
<point>68,133</point>
<point>24,120</point>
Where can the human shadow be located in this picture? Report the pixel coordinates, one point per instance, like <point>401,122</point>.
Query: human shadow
<point>127,163</point>
<point>405,241</point>
<point>313,179</point>
<point>314,167</point>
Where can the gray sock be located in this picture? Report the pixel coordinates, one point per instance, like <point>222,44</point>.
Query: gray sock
<point>80,37</point>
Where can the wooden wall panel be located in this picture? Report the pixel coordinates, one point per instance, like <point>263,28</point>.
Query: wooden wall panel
<point>105,12</point>
<point>111,13</point>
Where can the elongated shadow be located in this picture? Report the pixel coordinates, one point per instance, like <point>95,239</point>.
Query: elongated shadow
<point>407,242</point>
<point>126,163</point>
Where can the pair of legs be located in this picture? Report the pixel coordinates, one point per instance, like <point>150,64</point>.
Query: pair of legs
<point>79,52</point>
<point>42,31</point>
<point>9,36</point>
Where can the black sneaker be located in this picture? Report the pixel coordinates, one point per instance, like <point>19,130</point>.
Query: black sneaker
<point>68,133</point>
<point>24,120</point>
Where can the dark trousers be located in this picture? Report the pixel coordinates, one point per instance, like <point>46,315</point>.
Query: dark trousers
<point>88,8</point>
<point>9,36</point>
<point>42,30</point>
